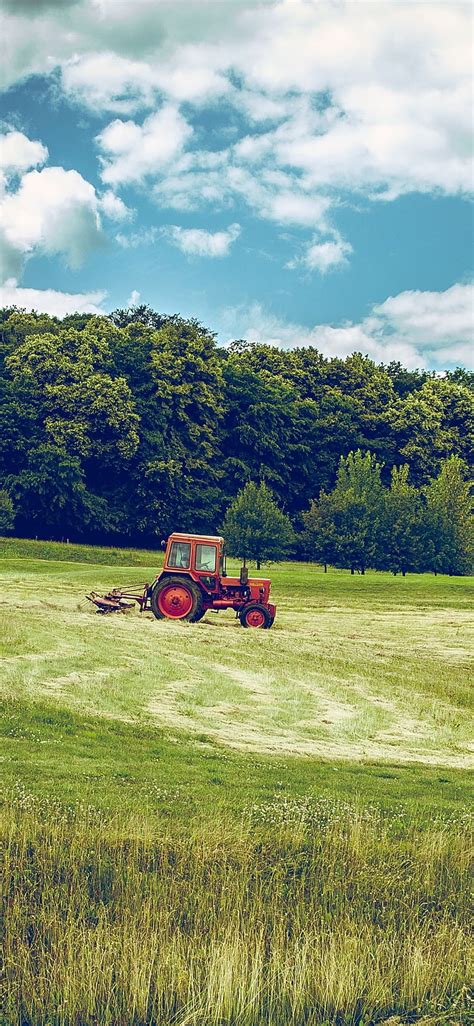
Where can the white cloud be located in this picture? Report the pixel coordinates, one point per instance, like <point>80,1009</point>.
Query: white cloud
<point>149,31</point>
<point>18,153</point>
<point>432,329</point>
<point>287,206</point>
<point>107,81</point>
<point>53,211</point>
<point>259,106</point>
<point>434,317</point>
<point>404,143</point>
<point>259,325</point>
<point>200,178</point>
<point>58,304</point>
<point>11,259</point>
<point>142,237</point>
<point>114,207</point>
<point>368,339</point>
<point>198,242</point>
<point>133,298</point>
<point>132,152</point>
<point>324,256</point>
<point>192,75</point>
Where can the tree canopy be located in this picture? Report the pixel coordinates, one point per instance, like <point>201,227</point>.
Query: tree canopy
<point>255,528</point>
<point>134,425</point>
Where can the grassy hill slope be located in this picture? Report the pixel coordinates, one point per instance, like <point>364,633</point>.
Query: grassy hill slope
<point>355,670</point>
<point>204,824</point>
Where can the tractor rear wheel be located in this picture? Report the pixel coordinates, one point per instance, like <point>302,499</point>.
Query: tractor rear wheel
<point>255,615</point>
<point>175,598</point>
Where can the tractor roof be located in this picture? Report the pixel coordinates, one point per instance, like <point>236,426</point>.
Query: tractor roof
<point>182,536</point>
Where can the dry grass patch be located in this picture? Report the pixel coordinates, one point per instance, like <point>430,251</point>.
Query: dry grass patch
<point>338,921</point>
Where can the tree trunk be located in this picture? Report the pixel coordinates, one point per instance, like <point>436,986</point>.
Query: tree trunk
<point>258,564</point>
<point>352,569</point>
<point>325,568</point>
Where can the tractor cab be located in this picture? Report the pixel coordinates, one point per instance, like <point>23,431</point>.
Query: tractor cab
<point>200,556</point>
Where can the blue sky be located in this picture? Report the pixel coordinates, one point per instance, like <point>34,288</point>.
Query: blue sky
<point>292,171</point>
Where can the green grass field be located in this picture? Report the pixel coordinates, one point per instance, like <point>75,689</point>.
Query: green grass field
<point>210,825</point>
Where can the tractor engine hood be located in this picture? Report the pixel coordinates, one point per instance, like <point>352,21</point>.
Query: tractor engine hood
<point>259,587</point>
<point>258,582</point>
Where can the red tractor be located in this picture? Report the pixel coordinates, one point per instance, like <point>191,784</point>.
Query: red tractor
<point>193,580</point>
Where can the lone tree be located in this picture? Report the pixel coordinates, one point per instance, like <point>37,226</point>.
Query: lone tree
<point>404,542</point>
<point>449,505</point>
<point>320,535</point>
<point>358,507</point>
<point>255,528</point>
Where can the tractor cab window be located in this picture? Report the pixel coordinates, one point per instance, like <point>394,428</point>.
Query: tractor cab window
<point>180,555</point>
<point>206,558</point>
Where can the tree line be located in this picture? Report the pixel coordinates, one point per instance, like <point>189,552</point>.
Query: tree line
<point>401,528</point>
<point>362,524</point>
<point>127,427</point>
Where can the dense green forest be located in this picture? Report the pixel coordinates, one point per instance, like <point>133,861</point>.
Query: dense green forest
<point>130,426</point>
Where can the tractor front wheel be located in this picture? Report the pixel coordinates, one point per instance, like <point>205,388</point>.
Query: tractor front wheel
<point>255,615</point>
<point>176,599</point>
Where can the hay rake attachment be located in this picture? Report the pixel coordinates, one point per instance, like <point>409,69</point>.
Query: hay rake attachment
<point>118,600</point>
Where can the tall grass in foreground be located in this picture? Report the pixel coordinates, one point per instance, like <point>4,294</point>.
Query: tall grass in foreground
<point>113,922</point>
